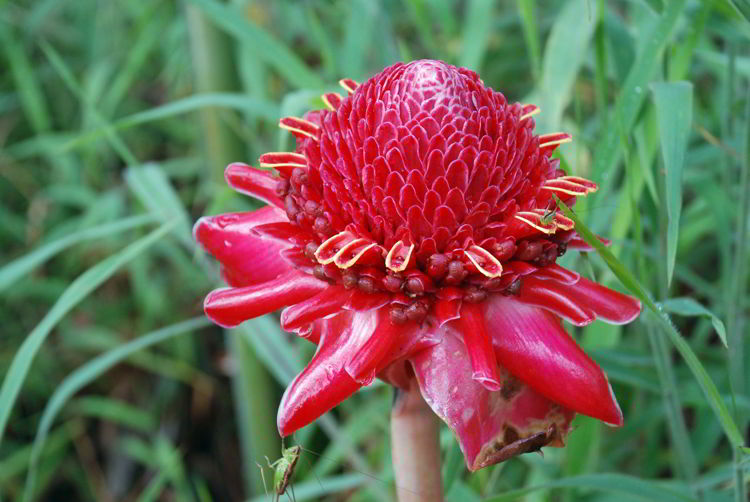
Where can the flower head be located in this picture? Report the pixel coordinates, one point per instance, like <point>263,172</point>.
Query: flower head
<point>412,234</point>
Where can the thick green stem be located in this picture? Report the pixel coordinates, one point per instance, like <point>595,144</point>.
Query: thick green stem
<point>416,448</point>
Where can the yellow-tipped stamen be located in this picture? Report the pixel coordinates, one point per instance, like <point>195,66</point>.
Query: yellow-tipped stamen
<point>392,254</point>
<point>279,164</point>
<point>355,258</point>
<point>562,221</point>
<point>554,142</point>
<point>580,181</point>
<point>340,237</point>
<point>488,257</point>
<point>348,84</point>
<point>297,125</point>
<point>533,112</point>
<point>327,101</point>
<point>567,187</point>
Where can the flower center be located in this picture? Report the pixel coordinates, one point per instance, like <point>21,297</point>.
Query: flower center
<point>423,182</point>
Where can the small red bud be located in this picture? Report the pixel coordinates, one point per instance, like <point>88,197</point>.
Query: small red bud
<point>416,312</point>
<point>310,249</point>
<point>392,283</point>
<point>415,286</point>
<point>320,273</point>
<point>366,284</point>
<point>349,279</point>
<point>437,266</point>
<point>514,288</point>
<point>282,187</point>
<point>528,250</point>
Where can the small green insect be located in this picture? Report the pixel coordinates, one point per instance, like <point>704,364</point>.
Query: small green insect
<point>548,216</point>
<point>283,469</point>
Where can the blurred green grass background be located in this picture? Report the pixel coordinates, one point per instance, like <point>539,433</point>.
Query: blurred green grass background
<point>116,121</point>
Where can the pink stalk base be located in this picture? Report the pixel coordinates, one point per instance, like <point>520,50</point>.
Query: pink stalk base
<point>416,448</point>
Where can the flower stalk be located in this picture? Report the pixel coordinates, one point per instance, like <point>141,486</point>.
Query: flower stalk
<point>416,448</point>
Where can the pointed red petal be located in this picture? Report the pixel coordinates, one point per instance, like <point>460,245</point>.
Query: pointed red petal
<point>388,343</point>
<point>490,426</point>
<point>327,302</point>
<point>479,346</point>
<point>557,273</point>
<point>324,383</point>
<point>228,238</point>
<point>608,304</point>
<point>532,345</point>
<point>554,297</point>
<point>253,182</point>
<point>231,306</point>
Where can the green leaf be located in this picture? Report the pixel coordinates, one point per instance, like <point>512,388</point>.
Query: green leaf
<point>629,101</point>
<point>248,104</point>
<point>153,189</point>
<point>674,110</point>
<point>26,263</point>
<point>529,18</point>
<point>688,307</point>
<point>266,46</point>
<point>610,483</point>
<point>564,54</point>
<point>92,370</point>
<point>77,291</point>
<point>115,411</point>
<point>699,371</point>
<point>476,33</point>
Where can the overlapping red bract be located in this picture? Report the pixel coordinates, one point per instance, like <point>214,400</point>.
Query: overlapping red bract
<point>412,234</point>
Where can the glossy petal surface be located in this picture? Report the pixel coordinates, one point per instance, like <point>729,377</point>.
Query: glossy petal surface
<point>532,344</point>
<point>490,426</point>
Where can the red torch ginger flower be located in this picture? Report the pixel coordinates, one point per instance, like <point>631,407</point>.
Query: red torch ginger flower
<point>412,233</point>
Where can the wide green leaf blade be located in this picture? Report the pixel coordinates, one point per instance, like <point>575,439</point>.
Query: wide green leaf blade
<point>476,36</point>
<point>674,110</point>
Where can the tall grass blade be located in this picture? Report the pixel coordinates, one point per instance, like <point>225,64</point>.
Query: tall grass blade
<point>674,111</point>
<point>564,53</point>
<point>77,291</point>
<point>476,33</point>
<point>25,264</point>
<point>629,101</point>
<point>609,483</point>
<point>89,372</point>
<point>286,62</point>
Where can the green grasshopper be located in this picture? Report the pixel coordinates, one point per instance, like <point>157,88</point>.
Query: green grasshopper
<point>283,469</point>
<point>548,216</point>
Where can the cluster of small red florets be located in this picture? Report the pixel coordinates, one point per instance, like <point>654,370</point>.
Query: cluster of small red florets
<point>396,189</point>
